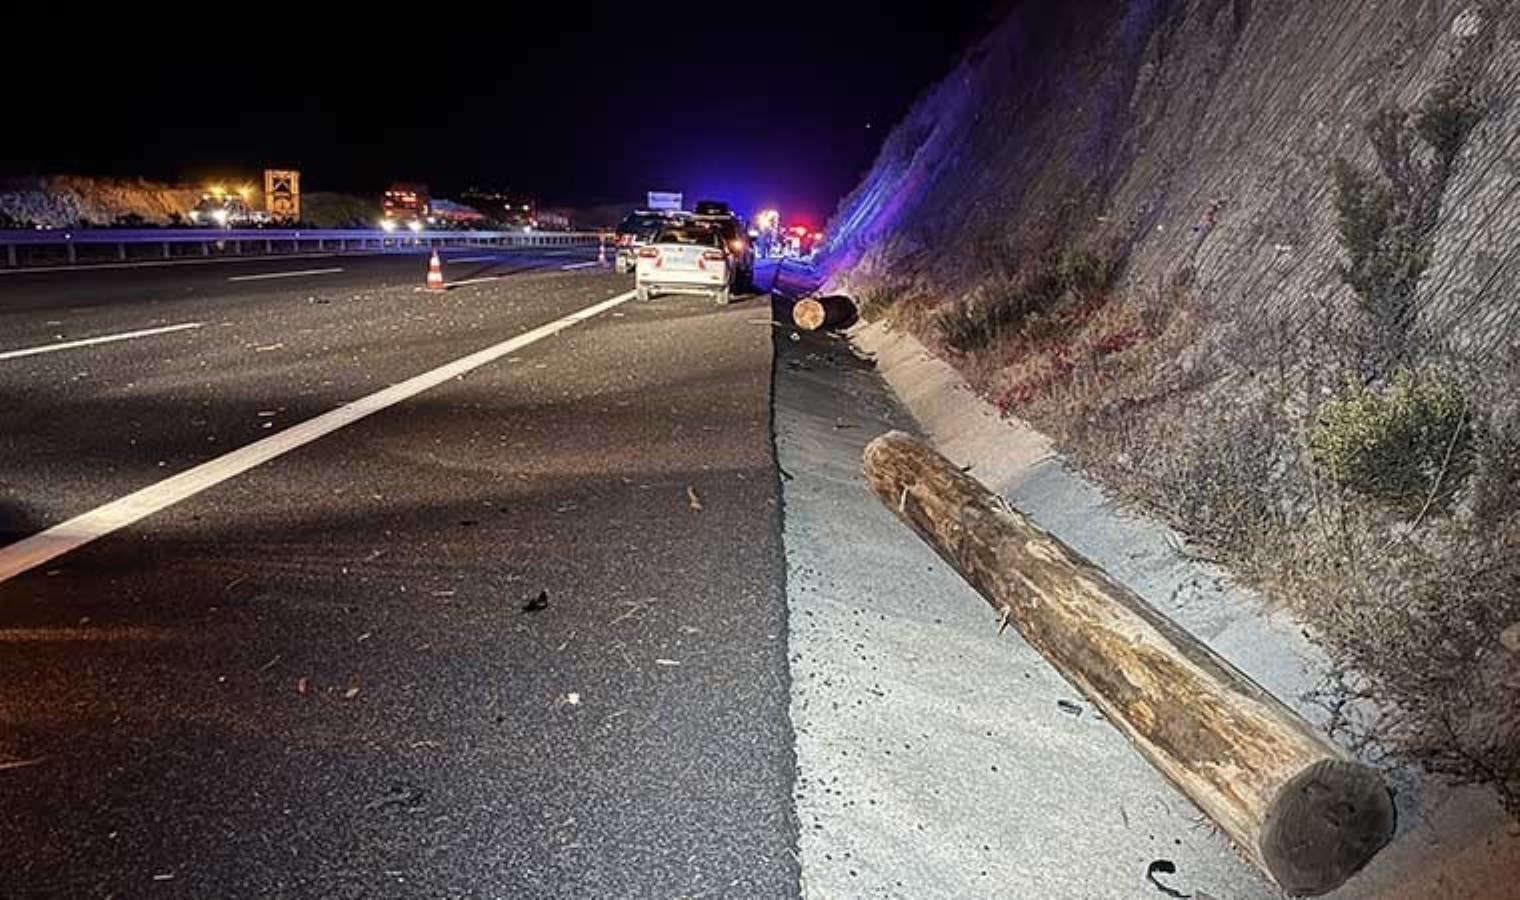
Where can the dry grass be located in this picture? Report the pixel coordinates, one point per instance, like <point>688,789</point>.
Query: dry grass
<point>1409,601</point>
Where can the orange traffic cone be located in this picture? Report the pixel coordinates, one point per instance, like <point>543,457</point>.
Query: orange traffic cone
<point>435,273</point>
<point>601,250</point>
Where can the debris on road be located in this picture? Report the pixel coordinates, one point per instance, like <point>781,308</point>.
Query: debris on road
<point>667,662</point>
<point>400,794</point>
<point>1070,708</point>
<point>573,698</point>
<point>21,763</point>
<point>1165,867</point>
<point>351,693</point>
<point>303,686</point>
<point>696,502</point>
<point>270,665</point>
<point>541,602</point>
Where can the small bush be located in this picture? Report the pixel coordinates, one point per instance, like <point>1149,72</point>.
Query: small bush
<point>965,326</point>
<point>877,301</point>
<point>1446,118</point>
<point>1387,224</point>
<point>1405,445</point>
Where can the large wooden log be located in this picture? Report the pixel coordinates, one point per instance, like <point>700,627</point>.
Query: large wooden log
<point>1300,808</point>
<point>813,313</point>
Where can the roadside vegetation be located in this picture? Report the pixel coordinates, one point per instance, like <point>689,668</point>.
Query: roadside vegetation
<point>1349,466</point>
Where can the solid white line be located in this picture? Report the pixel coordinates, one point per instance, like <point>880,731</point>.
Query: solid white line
<point>470,259</point>
<point>103,339</point>
<point>265,276</point>
<point>38,549</point>
<point>580,265</point>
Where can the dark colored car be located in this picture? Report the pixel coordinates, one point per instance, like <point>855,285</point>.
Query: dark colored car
<point>736,242</point>
<point>636,230</point>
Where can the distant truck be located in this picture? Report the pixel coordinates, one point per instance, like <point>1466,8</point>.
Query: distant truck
<point>405,205</point>
<point>451,215</point>
<point>221,208</point>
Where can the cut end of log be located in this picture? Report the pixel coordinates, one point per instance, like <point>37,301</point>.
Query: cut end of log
<point>808,314</point>
<point>813,313</point>
<point>1326,823</point>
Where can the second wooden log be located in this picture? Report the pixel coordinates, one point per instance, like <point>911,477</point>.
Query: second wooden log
<point>833,311</point>
<point>1300,808</point>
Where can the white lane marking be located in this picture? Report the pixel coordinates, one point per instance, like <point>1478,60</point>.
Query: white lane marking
<point>482,280</point>
<point>469,259</point>
<point>103,339</point>
<point>581,265</point>
<point>38,549</point>
<point>265,276</point>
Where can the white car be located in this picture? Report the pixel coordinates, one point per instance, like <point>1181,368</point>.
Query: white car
<point>685,259</point>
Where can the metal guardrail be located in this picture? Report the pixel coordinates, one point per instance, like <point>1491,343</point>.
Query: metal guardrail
<point>41,247</point>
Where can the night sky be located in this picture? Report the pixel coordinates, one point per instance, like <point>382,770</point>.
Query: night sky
<point>781,104</point>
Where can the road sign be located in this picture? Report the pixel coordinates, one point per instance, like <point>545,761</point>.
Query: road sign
<point>665,200</point>
<point>282,194</point>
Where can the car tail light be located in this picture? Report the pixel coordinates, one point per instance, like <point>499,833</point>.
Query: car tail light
<point>648,252</point>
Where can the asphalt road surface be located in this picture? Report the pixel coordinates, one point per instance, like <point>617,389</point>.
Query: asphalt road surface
<point>309,671</point>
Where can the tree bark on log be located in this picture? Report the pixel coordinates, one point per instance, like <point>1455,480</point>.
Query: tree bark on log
<point>813,313</point>
<point>1299,807</point>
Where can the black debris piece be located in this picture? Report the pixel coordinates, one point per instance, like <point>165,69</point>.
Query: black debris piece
<point>1165,867</point>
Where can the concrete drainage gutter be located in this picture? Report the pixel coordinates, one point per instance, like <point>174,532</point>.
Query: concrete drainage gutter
<point>936,760</point>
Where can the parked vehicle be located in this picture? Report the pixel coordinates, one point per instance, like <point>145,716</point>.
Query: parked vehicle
<point>687,258</point>
<point>736,242</point>
<point>635,231</point>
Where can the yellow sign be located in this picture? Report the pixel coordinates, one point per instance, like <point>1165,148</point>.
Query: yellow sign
<point>282,194</point>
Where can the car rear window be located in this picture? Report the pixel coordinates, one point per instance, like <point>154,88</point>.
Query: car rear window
<point>701,237</point>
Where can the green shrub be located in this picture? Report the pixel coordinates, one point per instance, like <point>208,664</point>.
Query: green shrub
<point>1446,118</point>
<point>1403,445</point>
<point>1387,219</point>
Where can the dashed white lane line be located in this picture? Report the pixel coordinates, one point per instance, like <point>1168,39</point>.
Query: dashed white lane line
<point>469,281</point>
<point>102,339</point>
<point>38,549</point>
<point>581,265</point>
<point>265,276</point>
